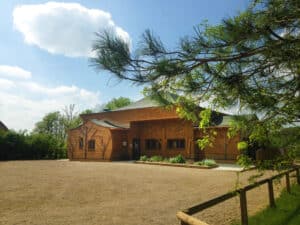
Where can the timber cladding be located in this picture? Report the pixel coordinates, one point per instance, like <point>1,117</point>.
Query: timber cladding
<point>131,133</point>
<point>224,148</point>
<point>162,131</point>
<point>80,142</point>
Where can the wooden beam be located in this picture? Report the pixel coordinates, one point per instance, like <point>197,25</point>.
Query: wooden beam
<point>188,220</point>
<point>197,208</point>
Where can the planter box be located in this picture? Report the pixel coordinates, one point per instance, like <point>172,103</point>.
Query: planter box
<point>186,165</point>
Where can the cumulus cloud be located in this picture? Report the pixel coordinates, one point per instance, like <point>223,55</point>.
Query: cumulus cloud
<point>63,28</point>
<point>24,102</point>
<point>14,72</point>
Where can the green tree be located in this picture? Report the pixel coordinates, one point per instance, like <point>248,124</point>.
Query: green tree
<point>53,124</point>
<point>116,103</point>
<point>251,61</point>
<point>70,117</point>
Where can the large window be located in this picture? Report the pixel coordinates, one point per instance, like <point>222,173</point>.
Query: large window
<point>176,143</point>
<point>81,143</point>
<point>152,144</point>
<point>91,145</point>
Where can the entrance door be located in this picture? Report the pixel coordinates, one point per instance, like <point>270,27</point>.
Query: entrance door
<point>136,148</point>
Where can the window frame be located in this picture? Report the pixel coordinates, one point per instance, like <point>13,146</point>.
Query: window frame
<point>152,144</point>
<point>176,144</point>
<point>81,144</point>
<point>92,145</point>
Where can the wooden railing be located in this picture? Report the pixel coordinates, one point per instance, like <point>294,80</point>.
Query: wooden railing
<point>186,217</point>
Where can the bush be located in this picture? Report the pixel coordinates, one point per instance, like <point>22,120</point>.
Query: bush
<point>19,145</point>
<point>144,158</point>
<point>206,162</point>
<point>242,145</point>
<point>177,159</point>
<point>156,158</point>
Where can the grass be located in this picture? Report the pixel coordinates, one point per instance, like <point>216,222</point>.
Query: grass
<point>287,211</point>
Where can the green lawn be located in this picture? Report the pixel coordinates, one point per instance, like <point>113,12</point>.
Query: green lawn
<point>287,211</point>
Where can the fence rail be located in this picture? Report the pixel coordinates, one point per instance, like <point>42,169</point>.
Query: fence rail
<point>186,218</point>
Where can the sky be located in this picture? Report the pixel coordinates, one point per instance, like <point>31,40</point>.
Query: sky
<point>45,49</point>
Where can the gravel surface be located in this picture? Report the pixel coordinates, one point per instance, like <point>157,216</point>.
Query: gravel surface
<point>118,193</point>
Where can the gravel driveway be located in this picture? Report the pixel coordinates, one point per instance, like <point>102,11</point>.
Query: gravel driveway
<point>86,193</point>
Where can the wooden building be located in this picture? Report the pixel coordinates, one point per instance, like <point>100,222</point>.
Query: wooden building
<point>145,128</point>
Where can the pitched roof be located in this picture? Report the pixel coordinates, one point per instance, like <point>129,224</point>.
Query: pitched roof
<point>142,103</point>
<point>109,124</point>
<point>2,126</point>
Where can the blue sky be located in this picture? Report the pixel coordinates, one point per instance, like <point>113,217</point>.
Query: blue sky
<point>44,48</point>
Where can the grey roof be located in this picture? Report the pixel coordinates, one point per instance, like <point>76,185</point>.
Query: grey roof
<point>109,124</point>
<point>2,126</point>
<point>142,103</point>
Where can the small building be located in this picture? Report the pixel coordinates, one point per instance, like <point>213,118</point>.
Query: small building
<point>146,128</point>
<point>2,126</point>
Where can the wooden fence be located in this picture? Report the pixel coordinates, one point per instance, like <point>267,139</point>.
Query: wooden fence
<point>185,215</point>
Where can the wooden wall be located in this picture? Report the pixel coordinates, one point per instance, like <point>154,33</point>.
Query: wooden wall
<point>162,130</point>
<point>223,148</point>
<point>120,145</point>
<point>103,142</point>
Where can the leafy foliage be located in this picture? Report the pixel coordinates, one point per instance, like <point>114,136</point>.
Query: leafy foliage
<point>177,159</point>
<point>156,158</point>
<point>206,162</point>
<point>14,146</point>
<point>116,103</point>
<point>251,61</point>
<point>144,158</point>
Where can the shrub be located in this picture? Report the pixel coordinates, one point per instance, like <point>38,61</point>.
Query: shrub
<point>177,159</point>
<point>242,145</point>
<point>156,158</point>
<point>206,162</point>
<point>19,145</point>
<point>144,158</point>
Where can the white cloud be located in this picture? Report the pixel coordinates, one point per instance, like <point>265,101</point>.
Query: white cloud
<point>63,28</point>
<point>14,72</point>
<point>24,102</point>
<point>6,84</point>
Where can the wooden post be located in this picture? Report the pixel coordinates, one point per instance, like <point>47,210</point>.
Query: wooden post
<point>298,175</point>
<point>243,206</point>
<point>288,185</point>
<point>271,193</point>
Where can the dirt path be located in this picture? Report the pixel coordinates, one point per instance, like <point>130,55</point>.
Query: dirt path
<point>86,193</point>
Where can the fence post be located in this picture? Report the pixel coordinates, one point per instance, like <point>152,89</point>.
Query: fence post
<point>298,175</point>
<point>288,185</point>
<point>243,206</point>
<point>271,193</point>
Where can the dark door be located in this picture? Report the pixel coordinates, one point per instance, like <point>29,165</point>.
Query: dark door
<point>136,148</point>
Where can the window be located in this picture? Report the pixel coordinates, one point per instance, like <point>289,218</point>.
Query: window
<point>91,145</point>
<point>81,143</point>
<point>152,144</point>
<point>176,143</point>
